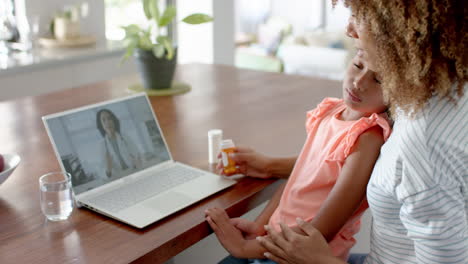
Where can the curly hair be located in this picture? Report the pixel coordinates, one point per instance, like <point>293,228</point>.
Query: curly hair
<point>421,48</point>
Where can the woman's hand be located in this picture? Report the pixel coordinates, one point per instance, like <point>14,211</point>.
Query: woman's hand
<point>289,247</point>
<point>249,162</point>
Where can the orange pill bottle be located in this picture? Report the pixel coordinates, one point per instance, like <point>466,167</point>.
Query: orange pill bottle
<point>227,146</point>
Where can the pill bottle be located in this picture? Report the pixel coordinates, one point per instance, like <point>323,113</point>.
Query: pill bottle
<point>227,147</point>
<point>215,136</point>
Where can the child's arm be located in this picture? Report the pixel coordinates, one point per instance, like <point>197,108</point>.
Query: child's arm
<point>281,167</point>
<point>350,188</point>
<point>257,165</point>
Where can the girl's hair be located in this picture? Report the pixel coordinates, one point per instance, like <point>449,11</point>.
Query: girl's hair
<point>113,117</point>
<point>421,48</point>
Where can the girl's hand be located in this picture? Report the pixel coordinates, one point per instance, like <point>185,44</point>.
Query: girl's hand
<point>250,229</point>
<point>228,235</point>
<point>249,162</point>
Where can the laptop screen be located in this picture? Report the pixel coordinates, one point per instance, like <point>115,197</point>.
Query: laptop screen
<point>101,143</point>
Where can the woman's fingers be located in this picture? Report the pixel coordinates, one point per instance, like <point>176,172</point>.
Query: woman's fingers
<point>287,232</point>
<point>275,258</point>
<point>277,238</point>
<point>274,249</point>
<point>298,230</point>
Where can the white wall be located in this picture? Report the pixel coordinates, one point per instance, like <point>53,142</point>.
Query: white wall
<point>223,32</point>
<point>248,14</point>
<point>210,42</point>
<point>195,42</point>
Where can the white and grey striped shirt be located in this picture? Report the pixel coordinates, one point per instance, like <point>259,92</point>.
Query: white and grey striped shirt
<point>418,192</point>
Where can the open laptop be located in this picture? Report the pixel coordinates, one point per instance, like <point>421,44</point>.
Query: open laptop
<point>120,164</point>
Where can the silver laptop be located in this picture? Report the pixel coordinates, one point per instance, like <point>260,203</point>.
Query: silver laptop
<point>120,164</point>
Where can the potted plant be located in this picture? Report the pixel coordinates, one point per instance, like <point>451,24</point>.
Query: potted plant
<point>155,54</point>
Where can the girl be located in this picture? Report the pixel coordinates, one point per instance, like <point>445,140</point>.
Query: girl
<point>329,178</point>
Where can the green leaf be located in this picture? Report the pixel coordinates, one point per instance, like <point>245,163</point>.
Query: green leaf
<point>131,30</point>
<point>158,50</point>
<point>197,19</point>
<point>168,45</point>
<point>52,27</point>
<point>128,41</point>
<point>167,16</point>
<point>146,8</point>
<point>67,14</point>
<point>147,33</point>
<point>132,44</point>
<point>154,10</point>
<point>145,43</point>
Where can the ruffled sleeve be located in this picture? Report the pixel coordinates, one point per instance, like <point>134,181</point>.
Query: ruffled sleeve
<point>320,111</point>
<point>364,124</point>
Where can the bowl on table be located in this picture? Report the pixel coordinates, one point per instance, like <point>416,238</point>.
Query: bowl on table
<point>11,162</point>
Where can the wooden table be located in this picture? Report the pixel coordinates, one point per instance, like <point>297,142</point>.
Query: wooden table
<point>263,110</point>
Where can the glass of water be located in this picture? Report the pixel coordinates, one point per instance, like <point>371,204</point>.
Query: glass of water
<point>56,195</point>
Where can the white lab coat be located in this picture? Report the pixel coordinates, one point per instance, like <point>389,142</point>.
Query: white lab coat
<point>128,151</point>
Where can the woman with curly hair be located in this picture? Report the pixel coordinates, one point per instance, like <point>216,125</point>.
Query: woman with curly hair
<point>418,191</point>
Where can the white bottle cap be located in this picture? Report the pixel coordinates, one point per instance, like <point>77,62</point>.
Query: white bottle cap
<point>215,136</point>
<point>227,143</point>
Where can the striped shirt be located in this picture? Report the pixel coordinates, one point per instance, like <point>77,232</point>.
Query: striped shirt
<point>418,192</point>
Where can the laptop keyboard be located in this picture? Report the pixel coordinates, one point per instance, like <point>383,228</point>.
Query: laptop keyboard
<point>145,188</point>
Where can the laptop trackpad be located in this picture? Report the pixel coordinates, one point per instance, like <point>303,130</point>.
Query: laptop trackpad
<point>169,202</point>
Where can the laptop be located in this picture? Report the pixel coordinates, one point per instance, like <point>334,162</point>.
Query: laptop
<point>120,164</point>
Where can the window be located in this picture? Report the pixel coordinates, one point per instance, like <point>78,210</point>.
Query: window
<point>122,13</point>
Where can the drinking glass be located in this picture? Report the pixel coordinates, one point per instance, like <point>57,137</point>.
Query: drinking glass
<point>56,195</point>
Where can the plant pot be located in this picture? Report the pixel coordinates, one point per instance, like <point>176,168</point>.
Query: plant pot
<point>65,29</point>
<point>155,73</point>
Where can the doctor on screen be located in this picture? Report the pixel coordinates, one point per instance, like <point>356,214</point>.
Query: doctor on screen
<point>119,153</point>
